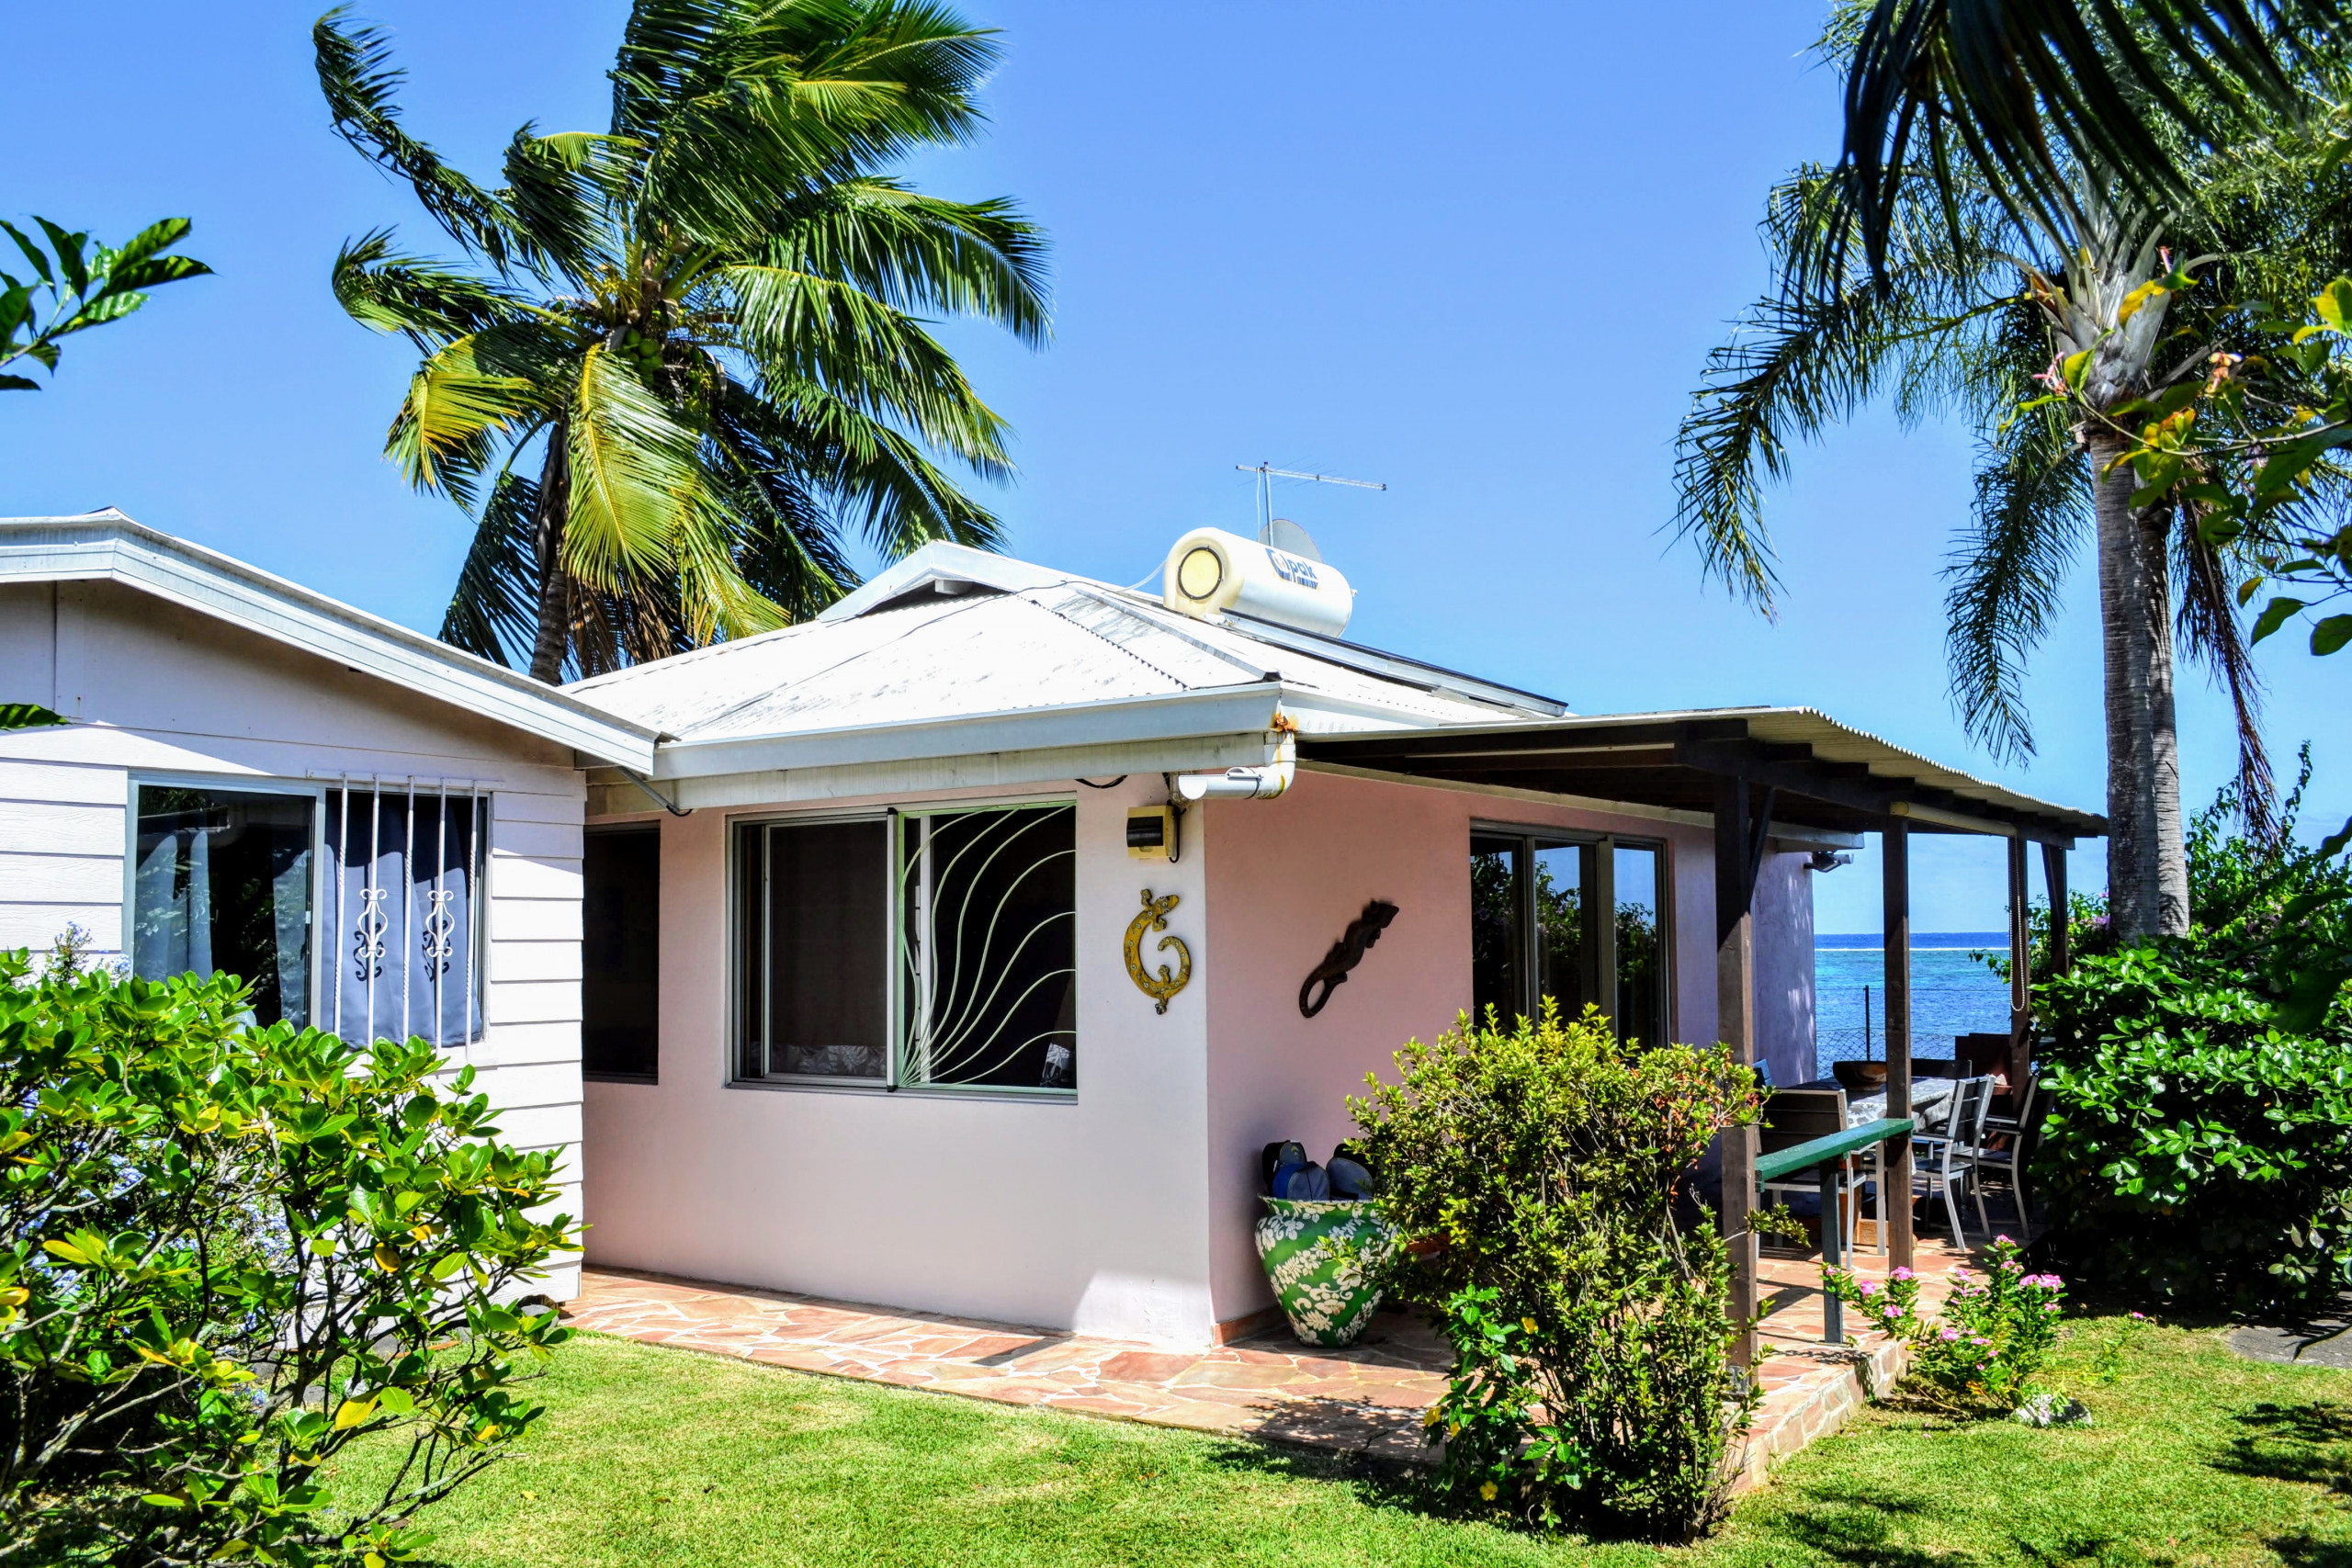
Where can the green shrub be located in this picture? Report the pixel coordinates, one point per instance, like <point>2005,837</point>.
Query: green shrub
<point>2195,1148</point>
<point>226,1254</point>
<point>1978,1355</point>
<point>1535,1170</point>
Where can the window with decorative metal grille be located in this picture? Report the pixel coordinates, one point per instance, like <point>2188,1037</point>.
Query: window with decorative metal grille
<point>404,867</point>
<point>910,950</point>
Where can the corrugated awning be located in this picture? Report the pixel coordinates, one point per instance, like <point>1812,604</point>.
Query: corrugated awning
<point>1821,773</point>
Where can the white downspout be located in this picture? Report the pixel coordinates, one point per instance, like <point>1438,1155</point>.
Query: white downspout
<point>1247,784</point>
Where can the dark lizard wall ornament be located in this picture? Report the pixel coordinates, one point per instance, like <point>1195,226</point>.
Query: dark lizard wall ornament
<point>1345,955</point>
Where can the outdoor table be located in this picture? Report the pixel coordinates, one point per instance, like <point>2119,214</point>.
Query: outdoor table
<point>1825,1154</point>
<point>1870,1107</point>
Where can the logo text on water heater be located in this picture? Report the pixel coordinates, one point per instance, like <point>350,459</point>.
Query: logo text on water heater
<point>1291,568</point>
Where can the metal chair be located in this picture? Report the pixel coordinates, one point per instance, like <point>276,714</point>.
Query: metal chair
<point>1944,1161</point>
<point>2009,1160</point>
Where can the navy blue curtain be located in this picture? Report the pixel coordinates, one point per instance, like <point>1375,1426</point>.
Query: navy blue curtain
<point>403,901</point>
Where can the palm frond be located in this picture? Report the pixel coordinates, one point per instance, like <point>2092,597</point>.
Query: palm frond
<point>461,399</point>
<point>559,188</point>
<point>2021,91</point>
<point>915,252</point>
<point>359,80</point>
<point>494,608</point>
<point>879,479</point>
<point>2207,623</point>
<point>799,328</point>
<point>2032,507</point>
<point>736,107</point>
<point>426,304</point>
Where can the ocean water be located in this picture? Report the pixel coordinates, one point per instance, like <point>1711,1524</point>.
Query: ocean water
<point>1952,992</point>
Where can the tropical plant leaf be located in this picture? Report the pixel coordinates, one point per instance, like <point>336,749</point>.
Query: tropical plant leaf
<point>495,609</point>
<point>2025,90</point>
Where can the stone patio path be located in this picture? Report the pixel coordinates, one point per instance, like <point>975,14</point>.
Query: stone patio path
<point>1367,1400</point>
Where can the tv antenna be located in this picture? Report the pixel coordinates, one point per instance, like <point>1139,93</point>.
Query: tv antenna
<point>1294,538</point>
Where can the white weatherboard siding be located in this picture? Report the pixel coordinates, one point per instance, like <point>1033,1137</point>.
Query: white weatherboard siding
<point>156,688</point>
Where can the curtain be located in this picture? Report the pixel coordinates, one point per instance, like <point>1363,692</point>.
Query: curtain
<point>222,881</point>
<point>403,901</point>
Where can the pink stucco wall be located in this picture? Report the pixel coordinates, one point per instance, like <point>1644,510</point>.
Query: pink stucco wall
<point>1128,1211</point>
<point>1284,878</point>
<point>1784,1037</point>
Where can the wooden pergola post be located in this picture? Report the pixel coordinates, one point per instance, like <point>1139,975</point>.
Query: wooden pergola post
<point>1894,1163</point>
<point>1738,840</point>
<point>2062,932</point>
<point>2021,972</point>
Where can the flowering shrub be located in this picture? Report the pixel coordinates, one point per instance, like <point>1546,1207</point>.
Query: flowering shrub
<point>1545,1157</point>
<point>1493,1446</point>
<point>1994,1334</point>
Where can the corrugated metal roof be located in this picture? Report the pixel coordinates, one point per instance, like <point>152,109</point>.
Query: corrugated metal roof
<point>919,655</point>
<point>109,546</point>
<point>1651,752</point>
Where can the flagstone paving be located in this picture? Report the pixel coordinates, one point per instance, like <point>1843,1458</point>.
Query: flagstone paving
<point>1367,1400</point>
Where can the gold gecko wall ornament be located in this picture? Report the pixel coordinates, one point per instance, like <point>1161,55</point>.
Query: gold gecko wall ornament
<point>1165,984</point>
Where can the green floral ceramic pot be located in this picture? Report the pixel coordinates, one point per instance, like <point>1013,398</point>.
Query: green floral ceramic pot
<point>1320,1257</point>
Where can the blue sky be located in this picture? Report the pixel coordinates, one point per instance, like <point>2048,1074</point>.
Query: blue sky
<point>1481,261</point>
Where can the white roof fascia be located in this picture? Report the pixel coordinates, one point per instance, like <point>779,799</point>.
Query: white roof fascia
<point>1218,710</point>
<point>1049,768</point>
<point>945,562</point>
<point>111,546</point>
<point>1359,715</point>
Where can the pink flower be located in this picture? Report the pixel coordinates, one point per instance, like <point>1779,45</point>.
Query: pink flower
<point>2003,1241</point>
<point>1905,1274</point>
<point>2140,1317</point>
<point>1869,1287</point>
<point>1950,1334</point>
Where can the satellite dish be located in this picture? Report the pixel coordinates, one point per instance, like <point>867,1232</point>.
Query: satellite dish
<point>1286,534</point>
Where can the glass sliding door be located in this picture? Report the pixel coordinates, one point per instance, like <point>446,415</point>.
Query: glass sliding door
<point>1497,933</point>
<point>1641,950</point>
<point>1578,921</point>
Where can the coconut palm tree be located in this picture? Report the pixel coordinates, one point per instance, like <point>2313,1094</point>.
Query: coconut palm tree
<point>1976,298</point>
<point>706,319</point>
<point>2021,93</point>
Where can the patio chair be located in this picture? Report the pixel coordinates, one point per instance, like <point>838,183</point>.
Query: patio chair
<point>1794,1116</point>
<point>2016,1133</point>
<point>1943,1160</point>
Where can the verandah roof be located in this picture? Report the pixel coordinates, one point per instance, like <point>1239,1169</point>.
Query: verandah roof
<point>1820,773</point>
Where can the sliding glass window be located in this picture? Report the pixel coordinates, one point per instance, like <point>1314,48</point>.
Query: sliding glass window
<point>1532,934</point>
<point>916,950</point>
<point>813,902</point>
<point>222,880</point>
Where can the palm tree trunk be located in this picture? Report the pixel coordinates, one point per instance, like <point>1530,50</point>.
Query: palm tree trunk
<point>546,539</point>
<point>2147,871</point>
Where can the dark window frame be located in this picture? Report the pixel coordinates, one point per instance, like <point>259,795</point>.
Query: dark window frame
<point>1487,836</point>
<point>744,1000</point>
<point>651,830</point>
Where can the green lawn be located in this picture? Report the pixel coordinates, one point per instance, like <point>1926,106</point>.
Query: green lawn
<point>650,1457</point>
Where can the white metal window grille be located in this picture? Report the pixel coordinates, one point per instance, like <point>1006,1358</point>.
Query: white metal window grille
<point>406,859</point>
<point>988,948</point>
